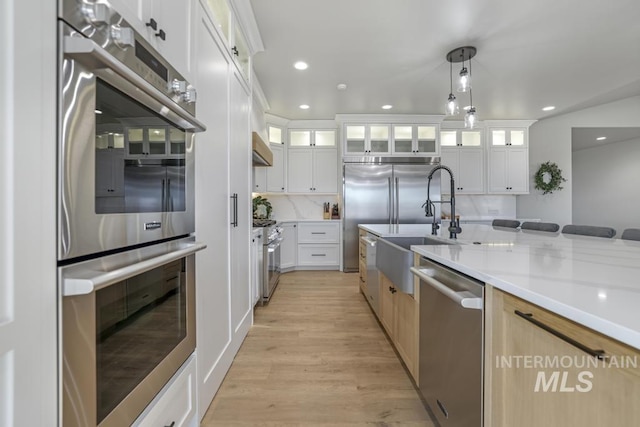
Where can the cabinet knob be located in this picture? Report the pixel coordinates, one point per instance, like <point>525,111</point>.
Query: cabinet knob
<point>235,50</point>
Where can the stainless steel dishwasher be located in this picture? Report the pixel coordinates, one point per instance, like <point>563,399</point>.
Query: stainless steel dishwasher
<point>451,328</point>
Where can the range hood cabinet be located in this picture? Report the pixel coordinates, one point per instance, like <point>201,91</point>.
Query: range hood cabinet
<point>262,155</point>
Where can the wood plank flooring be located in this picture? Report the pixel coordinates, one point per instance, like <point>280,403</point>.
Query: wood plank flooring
<point>316,357</point>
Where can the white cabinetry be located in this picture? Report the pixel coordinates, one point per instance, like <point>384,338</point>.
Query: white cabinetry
<point>175,405</point>
<point>223,282</point>
<point>289,246</point>
<point>463,152</point>
<point>275,174</point>
<point>415,140</point>
<point>312,162</point>
<point>508,157</point>
<point>366,139</point>
<point>319,245</point>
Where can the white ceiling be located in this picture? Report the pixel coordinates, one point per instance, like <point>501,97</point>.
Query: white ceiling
<point>568,53</point>
<point>583,138</point>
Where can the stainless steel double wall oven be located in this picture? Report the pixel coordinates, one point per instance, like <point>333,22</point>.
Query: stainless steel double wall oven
<point>125,217</point>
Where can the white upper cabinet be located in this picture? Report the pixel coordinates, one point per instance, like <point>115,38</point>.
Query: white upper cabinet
<point>325,138</point>
<point>276,173</point>
<point>312,161</point>
<point>415,140</point>
<point>276,134</point>
<point>463,151</point>
<point>367,139</point>
<point>508,156</point>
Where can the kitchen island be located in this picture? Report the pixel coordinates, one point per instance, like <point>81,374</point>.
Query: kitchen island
<point>561,324</point>
<point>592,281</point>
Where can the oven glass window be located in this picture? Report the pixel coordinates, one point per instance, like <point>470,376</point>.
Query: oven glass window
<point>140,157</point>
<point>138,322</point>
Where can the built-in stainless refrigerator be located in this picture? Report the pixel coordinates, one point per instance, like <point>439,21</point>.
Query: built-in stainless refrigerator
<point>384,190</point>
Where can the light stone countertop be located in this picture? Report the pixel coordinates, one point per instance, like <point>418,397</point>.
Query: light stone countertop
<point>592,281</point>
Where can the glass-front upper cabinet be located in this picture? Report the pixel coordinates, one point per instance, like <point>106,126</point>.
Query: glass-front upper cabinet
<point>367,139</point>
<point>276,136</point>
<point>312,138</point>
<point>415,139</point>
<point>461,138</point>
<point>502,137</point>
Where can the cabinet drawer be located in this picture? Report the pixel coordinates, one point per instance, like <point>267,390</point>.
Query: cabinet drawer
<point>319,232</point>
<point>175,403</point>
<point>318,255</point>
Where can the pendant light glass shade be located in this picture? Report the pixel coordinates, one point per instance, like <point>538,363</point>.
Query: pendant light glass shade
<point>452,106</point>
<point>470,118</point>
<point>464,83</point>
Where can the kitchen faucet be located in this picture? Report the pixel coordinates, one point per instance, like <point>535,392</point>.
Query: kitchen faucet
<point>429,206</point>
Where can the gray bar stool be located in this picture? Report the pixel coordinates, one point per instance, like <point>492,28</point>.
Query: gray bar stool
<point>589,230</point>
<point>510,223</point>
<point>631,234</point>
<point>540,226</point>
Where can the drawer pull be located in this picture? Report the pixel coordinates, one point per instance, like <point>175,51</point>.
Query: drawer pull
<point>173,423</point>
<point>318,254</point>
<point>598,354</point>
<point>318,232</point>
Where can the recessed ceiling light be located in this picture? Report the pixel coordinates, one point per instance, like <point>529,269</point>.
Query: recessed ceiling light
<point>97,111</point>
<point>387,107</point>
<point>301,65</point>
<point>549,108</point>
<point>601,138</point>
<point>342,86</point>
<point>304,107</point>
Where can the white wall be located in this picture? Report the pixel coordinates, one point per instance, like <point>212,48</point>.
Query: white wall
<point>550,140</point>
<point>605,185</point>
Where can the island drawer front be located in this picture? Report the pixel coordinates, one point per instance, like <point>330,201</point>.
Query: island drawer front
<point>319,232</point>
<point>318,255</point>
<point>565,372</point>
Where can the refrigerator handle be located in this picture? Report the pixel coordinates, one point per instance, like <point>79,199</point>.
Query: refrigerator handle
<point>390,206</point>
<point>397,201</point>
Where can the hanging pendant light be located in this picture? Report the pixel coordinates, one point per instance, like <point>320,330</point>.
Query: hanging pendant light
<point>462,54</point>
<point>452,108</point>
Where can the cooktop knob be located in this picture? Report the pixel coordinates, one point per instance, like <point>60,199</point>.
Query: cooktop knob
<point>179,87</point>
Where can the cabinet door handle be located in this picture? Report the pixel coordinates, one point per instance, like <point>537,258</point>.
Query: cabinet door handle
<point>152,23</point>
<point>598,354</point>
<point>173,423</point>
<point>234,50</point>
<point>161,34</point>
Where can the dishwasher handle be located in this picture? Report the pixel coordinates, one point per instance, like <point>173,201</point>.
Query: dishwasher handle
<point>465,299</point>
<point>369,241</point>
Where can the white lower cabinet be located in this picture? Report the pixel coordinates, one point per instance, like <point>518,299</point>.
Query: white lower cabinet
<point>319,245</point>
<point>256,264</point>
<point>175,405</point>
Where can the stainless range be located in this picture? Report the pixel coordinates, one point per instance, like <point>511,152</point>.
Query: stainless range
<point>271,256</point>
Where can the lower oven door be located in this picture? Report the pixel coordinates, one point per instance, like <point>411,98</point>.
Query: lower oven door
<point>128,326</point>
<point>271,268</point>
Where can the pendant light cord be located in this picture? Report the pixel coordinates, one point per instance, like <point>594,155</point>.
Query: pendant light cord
<point>451,77</point>
<point>470,89</point>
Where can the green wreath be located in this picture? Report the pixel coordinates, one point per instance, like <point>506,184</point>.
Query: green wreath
<point>555,180</point>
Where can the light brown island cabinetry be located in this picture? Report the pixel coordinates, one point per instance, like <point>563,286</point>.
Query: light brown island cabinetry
<point>535,374</point>
<point>399,316</point>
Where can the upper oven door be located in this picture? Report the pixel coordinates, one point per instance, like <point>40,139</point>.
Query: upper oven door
<point>126,154</point>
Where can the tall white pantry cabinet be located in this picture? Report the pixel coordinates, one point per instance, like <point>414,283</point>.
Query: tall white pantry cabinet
<point>28,296</point>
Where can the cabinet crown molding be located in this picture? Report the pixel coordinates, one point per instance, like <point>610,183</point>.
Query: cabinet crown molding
<point>390,118</point>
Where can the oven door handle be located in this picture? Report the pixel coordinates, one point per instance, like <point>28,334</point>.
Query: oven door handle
<point>94,56</point>
<point>84,282</point>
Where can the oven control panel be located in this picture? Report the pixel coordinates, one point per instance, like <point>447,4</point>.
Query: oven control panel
<point>102,24</point>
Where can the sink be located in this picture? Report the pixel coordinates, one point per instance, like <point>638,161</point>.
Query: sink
<point>394,258</point>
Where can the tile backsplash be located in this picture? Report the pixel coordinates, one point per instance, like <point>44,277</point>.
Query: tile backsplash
<point>483,206</point>
<point>288,207</point>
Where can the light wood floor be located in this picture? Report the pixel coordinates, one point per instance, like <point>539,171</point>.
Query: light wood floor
<point>316,357</point>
